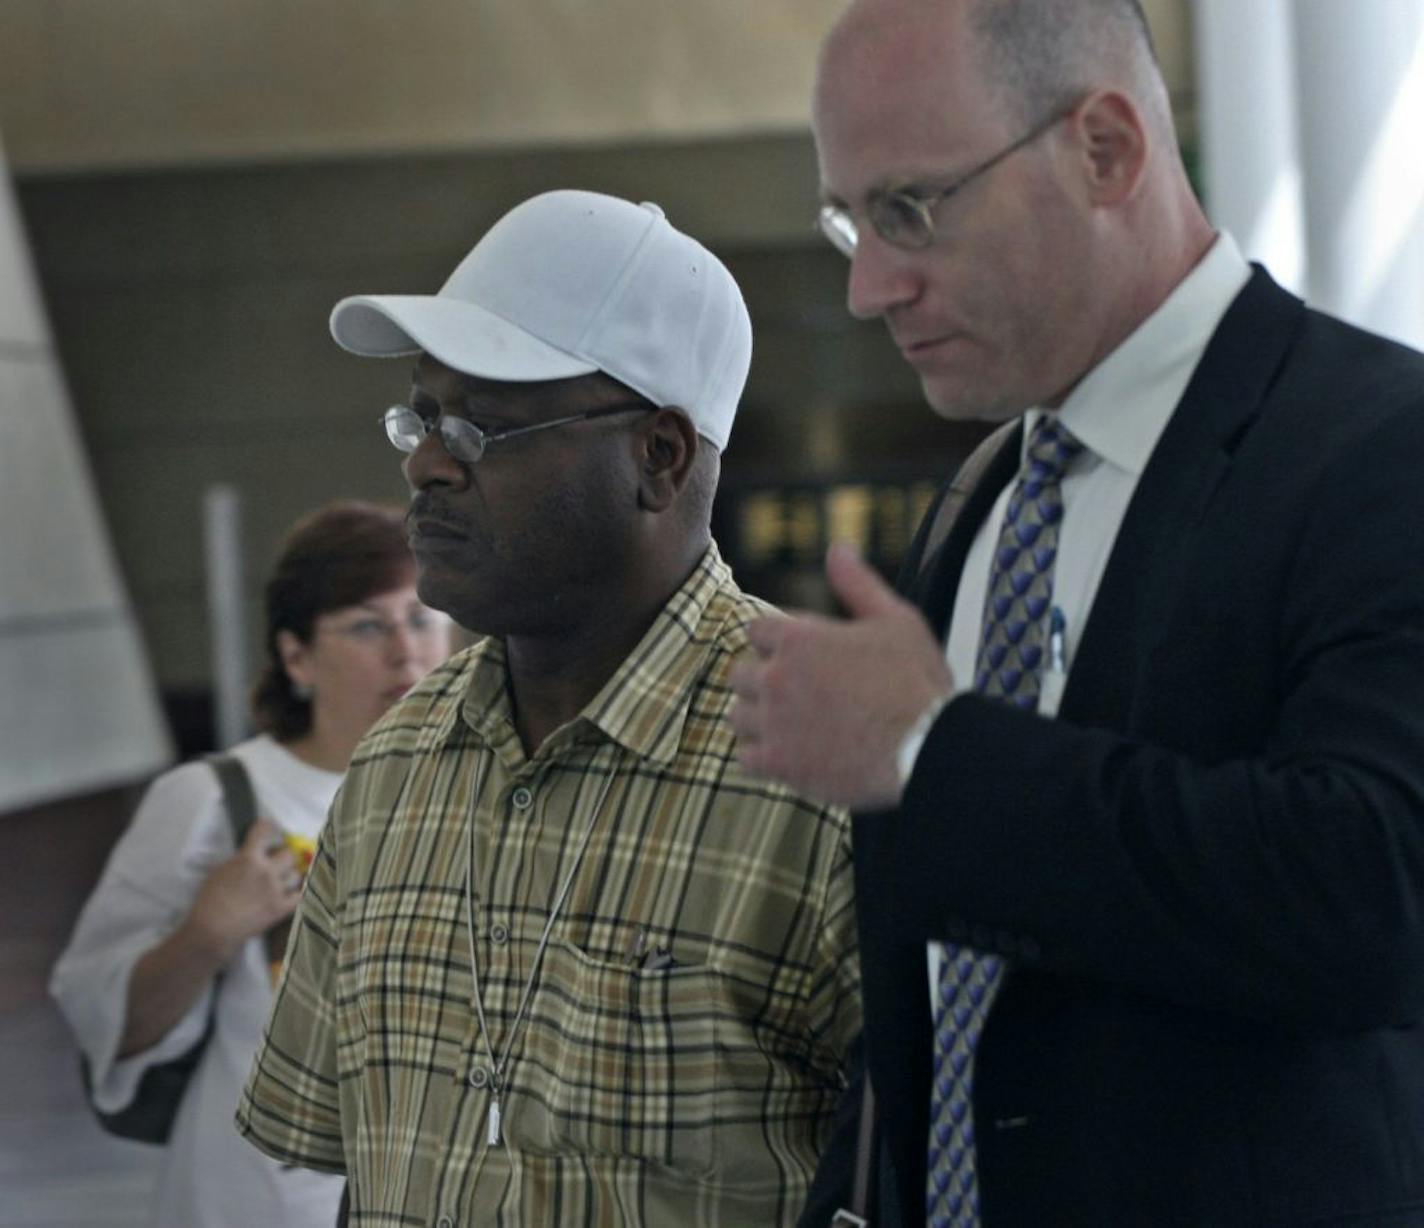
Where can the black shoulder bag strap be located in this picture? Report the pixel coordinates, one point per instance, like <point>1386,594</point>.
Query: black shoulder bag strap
<point>867,1142</point>
<point>857,1215</point>
<point>965,480</point>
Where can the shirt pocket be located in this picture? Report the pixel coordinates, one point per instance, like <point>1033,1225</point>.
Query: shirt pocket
<point>621,1061</point>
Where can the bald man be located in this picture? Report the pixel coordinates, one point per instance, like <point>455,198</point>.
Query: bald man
<point>1138,755</point>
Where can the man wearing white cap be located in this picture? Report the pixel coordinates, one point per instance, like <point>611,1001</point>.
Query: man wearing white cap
<point>559,960</point>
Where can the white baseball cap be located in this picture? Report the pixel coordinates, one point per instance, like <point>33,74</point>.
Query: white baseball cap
<point>569,283</point>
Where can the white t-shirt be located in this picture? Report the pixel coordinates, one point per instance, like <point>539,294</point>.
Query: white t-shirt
<point>210,1177</point>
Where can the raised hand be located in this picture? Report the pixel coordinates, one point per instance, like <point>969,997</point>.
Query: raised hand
<point>823,704</point>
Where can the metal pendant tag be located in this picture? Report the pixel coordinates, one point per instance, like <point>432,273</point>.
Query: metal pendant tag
<point>493,1135</point>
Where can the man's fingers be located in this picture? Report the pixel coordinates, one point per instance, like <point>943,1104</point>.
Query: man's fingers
<point>764,634</point>
<point>744,717</point>
<point>857,585</point>
<point>779,634</point>
<point>745,678</point>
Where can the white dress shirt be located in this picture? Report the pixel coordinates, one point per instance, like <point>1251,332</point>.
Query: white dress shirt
<point>1118,412</point>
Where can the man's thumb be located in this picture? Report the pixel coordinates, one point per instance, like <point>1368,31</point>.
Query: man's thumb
<point>857,585</point>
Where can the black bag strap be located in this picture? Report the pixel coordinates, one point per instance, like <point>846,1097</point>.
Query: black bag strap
<point>960,485</point>
<point>857,1215</point>
<point>238,798</point>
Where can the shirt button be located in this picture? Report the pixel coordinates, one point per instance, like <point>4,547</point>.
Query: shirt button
<point>444,1222</point>
<point>499,935</point>
<point>522,798</point>
<point>479,1076</point>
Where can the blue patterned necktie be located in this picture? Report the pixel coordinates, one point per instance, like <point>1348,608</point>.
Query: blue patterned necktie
<point>1013,647</point>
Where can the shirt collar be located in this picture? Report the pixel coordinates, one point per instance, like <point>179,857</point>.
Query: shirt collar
<point>1121,407</point>
<point>643,706</point>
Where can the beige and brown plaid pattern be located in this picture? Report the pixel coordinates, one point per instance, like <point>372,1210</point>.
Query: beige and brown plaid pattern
<point>641,1091</point>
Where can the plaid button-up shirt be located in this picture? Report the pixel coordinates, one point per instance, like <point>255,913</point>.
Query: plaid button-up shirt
<point>682,1052</point>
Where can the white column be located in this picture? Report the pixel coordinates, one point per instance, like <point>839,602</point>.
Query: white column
<point>1360,84</point>
<point>222,546</point>
<point>79,710</point>
<point>1246,114</point>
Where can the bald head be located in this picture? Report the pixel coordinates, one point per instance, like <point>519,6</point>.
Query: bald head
<point>1035,137</point>
<point>1040,56</point>
<point>1034,57</point>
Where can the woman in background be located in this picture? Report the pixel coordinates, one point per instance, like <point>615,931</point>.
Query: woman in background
<point>177,932</point>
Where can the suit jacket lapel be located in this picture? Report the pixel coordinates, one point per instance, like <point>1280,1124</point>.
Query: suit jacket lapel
<point>1194,455</point>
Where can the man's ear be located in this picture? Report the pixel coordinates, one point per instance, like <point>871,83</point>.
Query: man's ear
<point>667,446</point>
<point>1114,146</point>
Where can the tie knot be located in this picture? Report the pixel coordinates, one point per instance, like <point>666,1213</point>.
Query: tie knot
<point>1052,446</point>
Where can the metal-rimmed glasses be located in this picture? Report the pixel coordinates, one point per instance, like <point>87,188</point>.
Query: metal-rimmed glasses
<point>904,217</point>
<point>466,442</point>
<point>371,629</point>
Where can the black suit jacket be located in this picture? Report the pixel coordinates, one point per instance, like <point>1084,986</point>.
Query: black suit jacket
<point>1208,871</point>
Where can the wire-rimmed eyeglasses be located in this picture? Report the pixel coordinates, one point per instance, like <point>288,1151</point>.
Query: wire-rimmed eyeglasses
<point>904,217</point>
<point>371,629</point>
<point>465,441</point>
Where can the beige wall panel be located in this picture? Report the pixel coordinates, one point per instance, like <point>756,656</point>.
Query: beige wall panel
<point>133,82</point>
<point>122,83</point>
